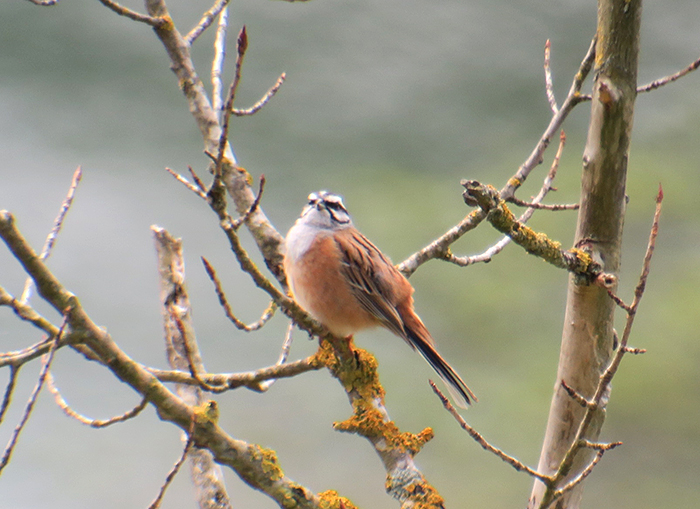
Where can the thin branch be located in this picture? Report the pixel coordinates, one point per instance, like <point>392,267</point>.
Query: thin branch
<point>206,21</point>
<point>241,47</point>
<point>577,397</point>
<point>176,467</point>
<point>574,260</point>
<point>284,353</point>
<point>579,478</point>
<point>7,398</point>
<point>44,3</point>
<point>196,179</point>
<point>48,358</point>
<point>543,206</point>
<point>217,64</point>
<point>93,423</point>
<point>156,22</point>
<point>262,102</point>
<point>488,255</point>
<point>186,344</point>
<point>267,314</point>
<point>514,462</point>
<point>597,401</point>
<point>28,314</point>
<point>195,189</point>
<point>440,248</point>
<point>572,99</point>
<point>618,300</point>
<point>183,353</point>
<point>668,79</point>
<point>634,351</point>
<point>251,379</point>
<point>57,224</point>
<point>253,206</point>
<point>548,83</point>
<point>254,464</point>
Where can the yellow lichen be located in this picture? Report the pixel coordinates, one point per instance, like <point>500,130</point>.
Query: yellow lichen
<point>421,494</point>
<point>414,443</point>
<point>583,258</point>
<point>267,458</point>
<point>514,182</point>
<point>357,371</point>
<point>331,500</point>
<point>324,356</point>
<point>207,412</point>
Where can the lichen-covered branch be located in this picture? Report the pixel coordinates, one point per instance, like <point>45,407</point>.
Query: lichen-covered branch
<point>256,466</point>
<point>488,199</point>
<point>440,247</point>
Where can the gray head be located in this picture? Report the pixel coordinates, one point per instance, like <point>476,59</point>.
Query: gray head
<point>326,210</point>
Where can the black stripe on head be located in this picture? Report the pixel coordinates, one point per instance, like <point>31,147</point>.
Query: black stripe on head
<point>331,203</point>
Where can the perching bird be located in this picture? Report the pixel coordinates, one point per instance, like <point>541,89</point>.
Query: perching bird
<point>348,285</point>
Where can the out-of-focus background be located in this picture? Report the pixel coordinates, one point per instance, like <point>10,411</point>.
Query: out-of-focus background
<point>389,103</point>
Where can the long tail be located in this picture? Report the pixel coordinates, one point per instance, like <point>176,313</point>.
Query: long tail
<point>418,337</point>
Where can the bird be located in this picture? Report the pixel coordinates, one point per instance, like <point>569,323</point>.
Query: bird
<point>348,285</point>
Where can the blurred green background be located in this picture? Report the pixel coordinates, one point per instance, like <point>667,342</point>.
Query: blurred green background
<point>389,103</point>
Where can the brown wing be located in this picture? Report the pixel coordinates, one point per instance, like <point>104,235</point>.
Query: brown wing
<point>377,285</point>
<point>386,294</point>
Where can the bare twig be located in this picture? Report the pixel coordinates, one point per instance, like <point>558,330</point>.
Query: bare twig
<point>577,397</point>
<point>176,467</point>
<point>284,353</point>
<point>579,478</point>
<point>265,99</point>
<point>194,188</point>
<point>186,344</point>
<point>492,251</point>
<point>543,206</point>
<point>668,79</point>
<point>548,83</point>
<point>7,398</point>
<point>206,21</point>
<point>44,3</point>
<point>439,248</point>
<point>48,358</point>
<point>618,300</point>
<point>514,462</point>
<point>251,379</point>
<point>196,179</point>
<point>267,314</point>
<point>572,99</point>
<point>254,464</point>
<point>28,314</point>
<point>93,423</point>
<point>217,64</point>
<point>253,206</point>
<point>241,47</point>
<point>603,387</point>
<point>183,353</point>
<point>57,224</point>
<point>126,12</point>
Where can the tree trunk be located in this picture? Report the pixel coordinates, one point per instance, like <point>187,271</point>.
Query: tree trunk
<point>587,338</point>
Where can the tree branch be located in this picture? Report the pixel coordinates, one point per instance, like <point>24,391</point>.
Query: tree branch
<point>258,467</point>
<point>440,248</point>
<point>499,215</point>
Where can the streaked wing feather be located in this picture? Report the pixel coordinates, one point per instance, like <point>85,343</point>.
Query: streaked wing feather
<point>374,293</point>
